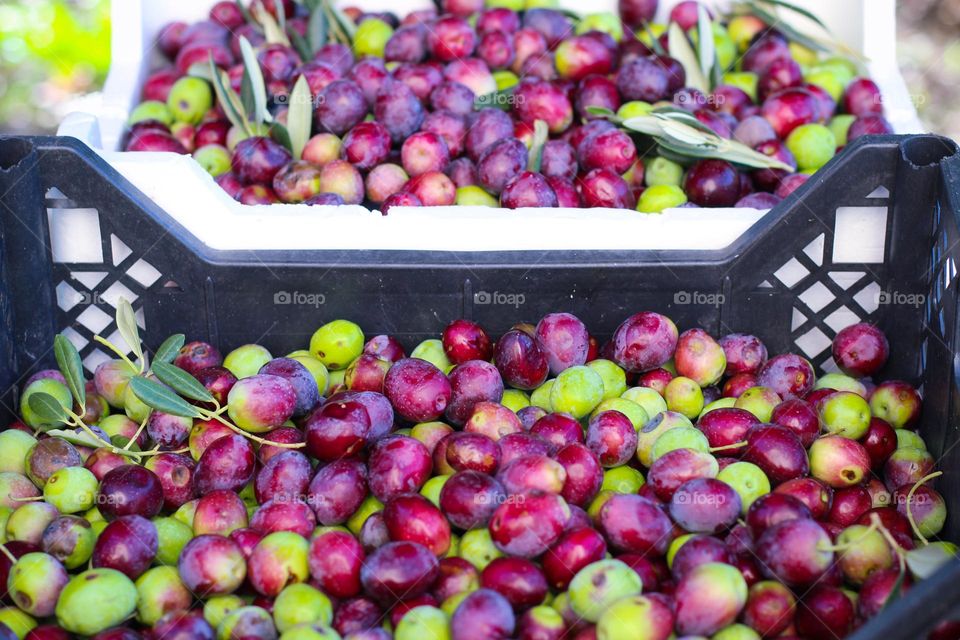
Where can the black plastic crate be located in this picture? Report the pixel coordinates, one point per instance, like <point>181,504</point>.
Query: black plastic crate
<point>799,275</point>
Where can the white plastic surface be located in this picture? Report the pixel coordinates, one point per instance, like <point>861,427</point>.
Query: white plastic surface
<point>866,26</point>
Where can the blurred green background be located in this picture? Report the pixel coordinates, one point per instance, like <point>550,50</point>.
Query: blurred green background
<point>52,51</point>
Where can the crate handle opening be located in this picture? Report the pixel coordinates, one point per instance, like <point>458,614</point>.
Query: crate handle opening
<point>13,151</point>
<point>925,151</point>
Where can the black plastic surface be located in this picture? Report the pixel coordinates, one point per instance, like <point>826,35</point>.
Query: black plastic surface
<point>231,298</point>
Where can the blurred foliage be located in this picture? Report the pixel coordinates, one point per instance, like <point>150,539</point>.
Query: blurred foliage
<point>928,48</point>
<point>50,52</point>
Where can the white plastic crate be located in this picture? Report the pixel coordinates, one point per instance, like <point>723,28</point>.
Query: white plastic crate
<point>866,26</point>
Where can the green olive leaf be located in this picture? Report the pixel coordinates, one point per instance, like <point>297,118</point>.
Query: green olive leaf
<point>253,74</point>
<point>654,41</point>
<point>541,133</point>
<point>68,359</point>
<point>246,13</point>
<point>281,135</point>
<point>706,46</point>
<point>156,396</point>
<point>167,351</point>
<point>81,438</point>
<point>926,561</point>
<point>300,116</point>
<point>127,326</point>
<point>683,52</point>
<point>317,28</point>
<point>795,8</point>
<point>47,408</point>
<point>301,45</point>
<point>181,382</point>
<point>229,100</point>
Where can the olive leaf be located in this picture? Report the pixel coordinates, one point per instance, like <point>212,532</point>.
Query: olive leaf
<point>281,135</point>
<point>788,30</point>
<point>541,133</point>
<point>253,75</point>
<point>317,28</point>
<point>201,70</point>
<point>705,45</point>
<point>246,13</point>
<point>281,16</point>
<point>273,32</point>
<point>654,41</point>
<point>156,396</point>
<point>349,26</point>
<point>681,133</point>
<point>682,51</point>
<point>301,45</point>
<point>47,408</point>
<point>926,561</point>
<point>792,7</point>
<point>127,326</point>
<point>605,113</point>
<point>167,351</point>
<point>300,116</point>
<point>68,359</point>
<point>229,100</point>
<point>81,438</point>
<point>181,382</point>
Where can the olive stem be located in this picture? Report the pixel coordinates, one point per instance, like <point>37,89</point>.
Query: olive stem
<point>852,543</point>
<point>116,350</point>
<point>900,551</point>
<point>727,447</point>
<point>913,489</point>
<point>136,436</point>
<point>258,440</point>
<point>12,558</point>
<point>32,499</point>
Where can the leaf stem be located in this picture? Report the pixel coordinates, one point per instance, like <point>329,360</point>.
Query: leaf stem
<point>727,447</point>
<point>115,349</point>
<point>136,436</point>
<point>250,436</point>
<point>12,558</point>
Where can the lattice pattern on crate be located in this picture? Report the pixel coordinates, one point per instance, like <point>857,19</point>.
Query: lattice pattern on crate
<point>943,275</point>
<point>833,286</point>
<point>94,268</point>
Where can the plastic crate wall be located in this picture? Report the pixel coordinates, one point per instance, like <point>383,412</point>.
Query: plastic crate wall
<point>794,279</point>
